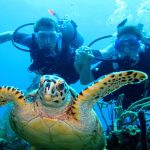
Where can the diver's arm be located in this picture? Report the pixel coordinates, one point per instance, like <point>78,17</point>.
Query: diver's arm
<point>84,60</point>
<point>6,36</point>
<point>86,75</point>
<point>82,64</point>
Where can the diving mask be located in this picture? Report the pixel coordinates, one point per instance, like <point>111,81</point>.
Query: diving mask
<point>128,50</point>
<point>47,36</point>
<point>132,44</point>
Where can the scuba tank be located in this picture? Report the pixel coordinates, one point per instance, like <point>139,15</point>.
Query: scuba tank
<point>68,29</point>
<point>70,34</point>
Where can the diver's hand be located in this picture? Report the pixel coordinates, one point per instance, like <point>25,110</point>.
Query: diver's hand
<point>83,58</point>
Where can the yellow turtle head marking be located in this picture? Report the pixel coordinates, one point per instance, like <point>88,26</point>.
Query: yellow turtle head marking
<point>53,91</point>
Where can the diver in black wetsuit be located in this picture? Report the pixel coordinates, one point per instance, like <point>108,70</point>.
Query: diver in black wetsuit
<point>131,51</point>
<point>52,48</point>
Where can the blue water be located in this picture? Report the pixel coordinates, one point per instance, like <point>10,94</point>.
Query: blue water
<point>92,18</point>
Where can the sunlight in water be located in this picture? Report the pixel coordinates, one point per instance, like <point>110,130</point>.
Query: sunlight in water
<point>143,13</point>
<point>120,12</point>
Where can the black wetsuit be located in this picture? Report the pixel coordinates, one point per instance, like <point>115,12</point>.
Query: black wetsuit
<point>133,92</point>
<point>62,64</point>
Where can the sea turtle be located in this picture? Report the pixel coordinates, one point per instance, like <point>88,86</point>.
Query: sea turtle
<point>57,118</point>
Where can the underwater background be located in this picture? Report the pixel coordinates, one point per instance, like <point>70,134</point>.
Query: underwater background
<point>94,18</point>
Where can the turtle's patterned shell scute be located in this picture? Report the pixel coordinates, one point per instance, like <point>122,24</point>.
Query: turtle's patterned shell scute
<point>54,133</point>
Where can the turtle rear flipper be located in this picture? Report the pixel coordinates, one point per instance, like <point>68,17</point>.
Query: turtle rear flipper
<point>104,86</point>
<point>8,94</point>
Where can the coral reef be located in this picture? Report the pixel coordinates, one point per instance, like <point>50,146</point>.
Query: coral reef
<point>125,139</point>
<point>9,140</point>
<point>131,130</point>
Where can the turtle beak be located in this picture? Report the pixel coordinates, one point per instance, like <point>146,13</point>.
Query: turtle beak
<point>47,88</point>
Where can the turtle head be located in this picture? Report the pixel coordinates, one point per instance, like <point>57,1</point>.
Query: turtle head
<point>53,91</point>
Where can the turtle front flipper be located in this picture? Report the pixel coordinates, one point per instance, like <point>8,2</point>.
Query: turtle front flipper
<point>104,86</point>
<point>8,94</point>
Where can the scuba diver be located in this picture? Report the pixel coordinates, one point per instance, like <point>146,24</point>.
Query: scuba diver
<point>130,51</point>
<point>52,47</point>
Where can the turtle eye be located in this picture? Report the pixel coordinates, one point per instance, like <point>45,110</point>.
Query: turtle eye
<point>60,86</point>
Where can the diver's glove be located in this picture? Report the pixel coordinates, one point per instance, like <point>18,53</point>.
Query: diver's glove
<point>83,57</point>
